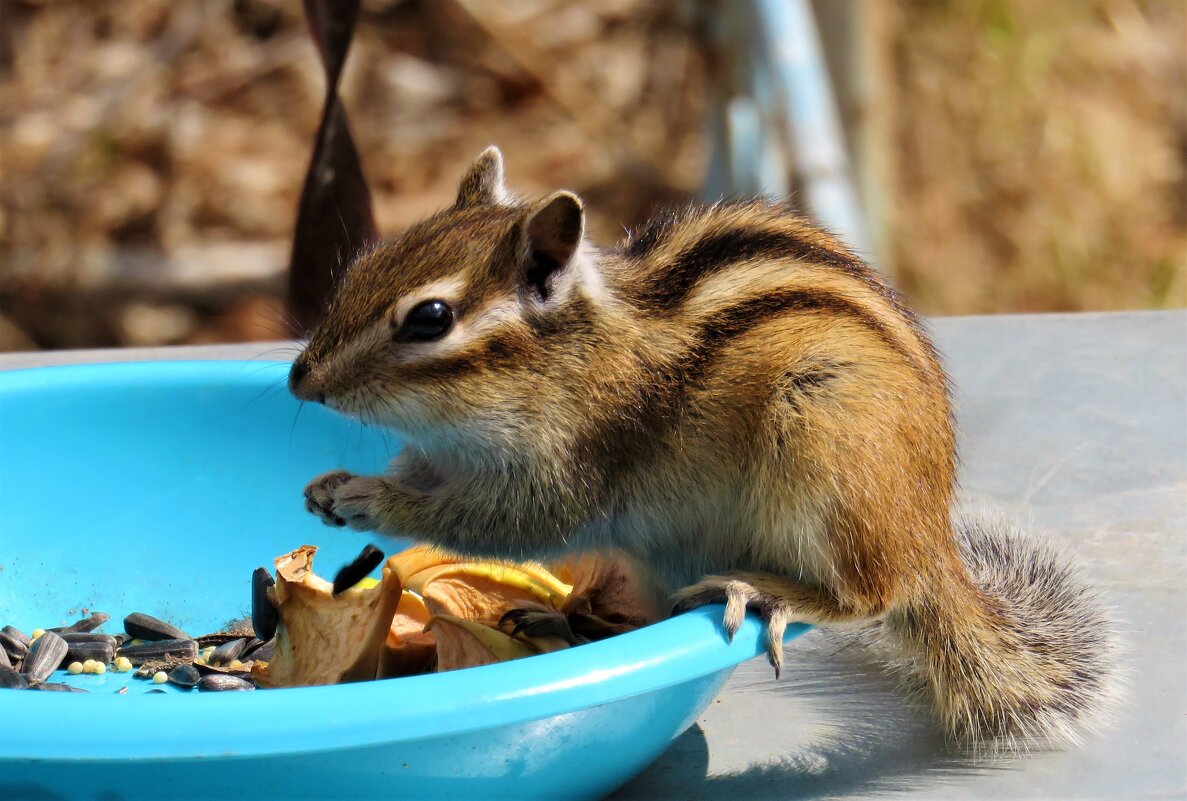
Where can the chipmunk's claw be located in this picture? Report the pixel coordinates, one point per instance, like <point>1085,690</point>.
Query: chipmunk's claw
<point>340,498</point>
<point>537,621</point>
<point>738,596</point>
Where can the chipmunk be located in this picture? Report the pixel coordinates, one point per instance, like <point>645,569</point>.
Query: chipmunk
<point>731,397</point>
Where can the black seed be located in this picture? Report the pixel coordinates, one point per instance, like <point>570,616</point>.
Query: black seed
<point>155,690</point>
<point>178,649</point>
<point>12,680</point>
<point>15,649</point>
<point>147,627</point>
<point>74,636</point>
<point>227,651</point>
<point>18,635</point>
<point>94,621</point>
<point>82,651</point>
<point>55,687</point>
<point>212,670</point>
<point>184,676</point>
<point>218,682</point>
<point>46,653</point>
<point>263,613</point>
<point>256,649</point>
<point>351,574</point>
<point>217,639</point>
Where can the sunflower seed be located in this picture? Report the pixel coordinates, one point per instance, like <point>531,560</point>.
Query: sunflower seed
<point>12,680</point>
<point>5,662</point>
<point>216,682</point>
<point>263,613</point>
<point>217,639</point>
<point>227,651</point>
<point>175,648</point>
<point>46,653</point>
<point>354,572</point>
<point>264,652</point>
<point>147,627</point>
<point>185,676</point>
<point>89,623</point>
<point>100,651</point>
<point>18,635</point>
<point>89,636</point>
<point>15,649</point>
<point>55,687</point>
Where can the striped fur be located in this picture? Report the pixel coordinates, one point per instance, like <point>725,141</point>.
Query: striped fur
<point>731,396</point>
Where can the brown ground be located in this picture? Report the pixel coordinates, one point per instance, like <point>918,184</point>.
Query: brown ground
<point>1038,161</point>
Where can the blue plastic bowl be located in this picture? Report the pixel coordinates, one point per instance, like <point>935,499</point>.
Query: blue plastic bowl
<point>158,487</point>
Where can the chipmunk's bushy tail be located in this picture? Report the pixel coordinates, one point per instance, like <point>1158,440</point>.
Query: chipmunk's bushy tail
<point>1020,655</point>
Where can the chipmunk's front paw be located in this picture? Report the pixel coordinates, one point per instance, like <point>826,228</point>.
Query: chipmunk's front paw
<point>738,595</point>
<point>340,498</point>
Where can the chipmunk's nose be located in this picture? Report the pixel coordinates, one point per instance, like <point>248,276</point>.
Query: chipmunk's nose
<point>297,375</point>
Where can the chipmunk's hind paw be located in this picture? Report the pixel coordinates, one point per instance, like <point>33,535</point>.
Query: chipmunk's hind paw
<point>738,595</point>
<point>533,620</point>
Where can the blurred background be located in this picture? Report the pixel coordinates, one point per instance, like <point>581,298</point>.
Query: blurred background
<point>1001,155</point>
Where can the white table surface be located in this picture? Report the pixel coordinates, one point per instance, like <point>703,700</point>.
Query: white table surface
<point>1075,422</point>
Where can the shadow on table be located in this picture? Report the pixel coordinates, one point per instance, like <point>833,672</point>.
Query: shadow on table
<point>846,732</point>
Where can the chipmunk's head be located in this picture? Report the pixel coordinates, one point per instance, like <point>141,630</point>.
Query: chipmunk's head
<point>443,327</point>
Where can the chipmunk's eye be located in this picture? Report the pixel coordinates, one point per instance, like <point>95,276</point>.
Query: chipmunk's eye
<point>426,321</point>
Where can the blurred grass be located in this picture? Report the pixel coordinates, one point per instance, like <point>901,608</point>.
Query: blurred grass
<point>1042,154</point>
<point>1039,146</point>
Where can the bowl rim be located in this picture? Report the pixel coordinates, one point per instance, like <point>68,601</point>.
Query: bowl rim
<point>316,719</point>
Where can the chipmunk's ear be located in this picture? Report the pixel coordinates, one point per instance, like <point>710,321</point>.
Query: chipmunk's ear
<point>552,234</point>
<point>483,182</point>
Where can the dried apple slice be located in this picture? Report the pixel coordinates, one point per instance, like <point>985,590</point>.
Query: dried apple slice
<point>464,643</point>
<point>611,586</point>
<point>322,638</point>
<point>409,649</point>
<point>411,561</point>
<point>481,591</point>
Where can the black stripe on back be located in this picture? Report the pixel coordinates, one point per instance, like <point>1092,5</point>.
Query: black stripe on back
<point>631,439</point>
<point>671,284</point>
<point>719,328</point>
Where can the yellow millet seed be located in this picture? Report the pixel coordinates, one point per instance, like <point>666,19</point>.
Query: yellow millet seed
<point>159,677</point>
<point>37,633</point>
<point>99,669</point>
<point>123,664</point>
<point>74,668</point>
<point>89,666</point>
<point>235,665</point>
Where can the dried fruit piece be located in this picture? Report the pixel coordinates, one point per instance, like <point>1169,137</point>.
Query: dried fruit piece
<point>464,643</point>
<point>610,587</point>
<point>408,650</point>
<point>411,561</point>
<point>483,591</point>
<point>322,638</point>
